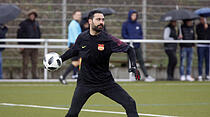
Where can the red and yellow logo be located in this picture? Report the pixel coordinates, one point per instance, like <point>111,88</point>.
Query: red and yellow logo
<point>100,47</point>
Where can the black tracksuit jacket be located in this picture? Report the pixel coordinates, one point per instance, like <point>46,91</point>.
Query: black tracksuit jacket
<point>95,52</point>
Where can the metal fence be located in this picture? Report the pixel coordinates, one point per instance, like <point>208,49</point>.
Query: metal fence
<point>46,45</point>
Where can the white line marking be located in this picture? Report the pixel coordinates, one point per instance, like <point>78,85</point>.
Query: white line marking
<point>35,85</point>
<point>86,110</point>
<point>122,84</point>
<point>165,84</point>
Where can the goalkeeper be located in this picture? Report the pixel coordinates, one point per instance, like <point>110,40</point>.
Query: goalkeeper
<point>95,47</point>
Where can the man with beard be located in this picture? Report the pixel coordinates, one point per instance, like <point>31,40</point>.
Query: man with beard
<point>95,47</point>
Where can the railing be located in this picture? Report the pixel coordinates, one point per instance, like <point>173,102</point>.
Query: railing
<point>55,16</point>
<point>45,45</point>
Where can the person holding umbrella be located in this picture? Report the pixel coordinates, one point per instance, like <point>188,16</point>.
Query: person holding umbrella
<point>186,32</point>
<point>203,33</point>
<point>186,49</point>
<point>170,48</point>
<point>8,12</point>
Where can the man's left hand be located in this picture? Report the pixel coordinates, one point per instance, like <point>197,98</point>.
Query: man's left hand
<point>136,72</point>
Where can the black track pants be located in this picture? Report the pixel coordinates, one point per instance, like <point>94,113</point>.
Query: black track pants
<point>114,92</point>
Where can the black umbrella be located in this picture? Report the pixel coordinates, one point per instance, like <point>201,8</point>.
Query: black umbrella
<point>8,12</point>
<point>181,14</point>
<point>106,11</point>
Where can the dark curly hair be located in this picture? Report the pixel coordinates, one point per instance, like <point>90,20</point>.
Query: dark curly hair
<point>91,14</point>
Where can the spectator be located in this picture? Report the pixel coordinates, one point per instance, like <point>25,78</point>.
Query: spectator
<point>203,33</point>
<point>186,50</point>
<point>74,30</point>
<point>131,29</point>
<point>3,31</point>
<point>29,29</point>
<point>84,24</point>
<point>170,48</point>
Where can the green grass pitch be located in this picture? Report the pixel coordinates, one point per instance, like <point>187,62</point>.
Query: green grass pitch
<point>184,99</point>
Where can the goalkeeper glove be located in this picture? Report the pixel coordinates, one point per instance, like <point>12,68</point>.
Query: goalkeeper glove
<point>136,72</point>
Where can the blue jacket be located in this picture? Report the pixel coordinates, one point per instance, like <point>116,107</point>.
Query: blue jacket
<point>74,30</point>
<point>132,29</point>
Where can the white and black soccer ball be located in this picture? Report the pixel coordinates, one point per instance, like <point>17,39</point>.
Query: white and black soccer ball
<point>52,61</point>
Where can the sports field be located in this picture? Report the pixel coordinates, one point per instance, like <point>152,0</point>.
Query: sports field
<point>156,99</point>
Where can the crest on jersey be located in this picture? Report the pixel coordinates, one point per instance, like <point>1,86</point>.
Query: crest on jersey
<point>100,47</point>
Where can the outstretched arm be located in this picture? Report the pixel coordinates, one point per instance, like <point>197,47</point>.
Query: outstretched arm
<point>133,68</point>
<point>132,56</point>
<point>69,54</point>
<point>119,46</point>
<point>74,51</point>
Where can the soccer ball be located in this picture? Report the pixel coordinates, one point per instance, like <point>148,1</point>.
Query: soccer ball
<point>52,61</point>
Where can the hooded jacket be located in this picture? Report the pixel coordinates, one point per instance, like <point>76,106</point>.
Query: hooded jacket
<point>132,29</point>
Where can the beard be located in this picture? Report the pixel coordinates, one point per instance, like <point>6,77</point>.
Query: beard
<point>98,28</point>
